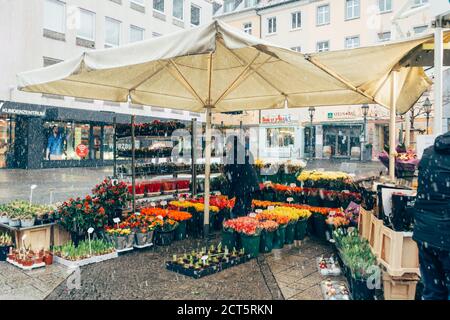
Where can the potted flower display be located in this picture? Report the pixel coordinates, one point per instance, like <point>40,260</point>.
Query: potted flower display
<point>122,238</point>
<point>6,244</point>
<point>4,214</point>
<point>181,217</point>
<point>302,224</point>
<point>249,231</point>
<point>143,227</point>
<point>282,220</point>
<point>165,231</point>
<point>268,229</point>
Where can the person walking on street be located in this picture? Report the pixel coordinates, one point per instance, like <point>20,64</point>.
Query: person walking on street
<point>241,176</point>
<point>432,219</point>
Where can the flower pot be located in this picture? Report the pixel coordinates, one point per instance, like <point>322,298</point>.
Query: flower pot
<point>164,238</point>
<point>290,233</point>
<point>180,231</point>
<point>229,239</point>
<point>360,291</point>
<point>279,237</point>
<point>320,226</point>
<point>120,242</point>
<point>266,243</point>
<point>15,223</point>
<point>143,239</point>
<point>218,221</point>
<point>27,263</point>
<point>130,240</point>
<point>4,252</point>
<point>300,229</point>
<point>251,244</point>
<point>4,219</point>
<point>27,223</point>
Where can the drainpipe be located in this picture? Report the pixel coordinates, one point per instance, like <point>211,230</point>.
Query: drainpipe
<point>260,23</point>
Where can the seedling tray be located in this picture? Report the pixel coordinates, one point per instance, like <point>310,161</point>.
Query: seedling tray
<point>196,274</point>
<point>84,262</point>
<point>34,266</point>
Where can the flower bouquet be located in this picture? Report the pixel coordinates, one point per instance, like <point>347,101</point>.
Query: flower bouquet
<point>268,227</point>
<point>249,232</point>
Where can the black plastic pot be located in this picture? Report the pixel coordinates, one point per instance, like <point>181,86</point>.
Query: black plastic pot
<point>360,291</point>
<point>320,226</point>
<point>180,231</point>
<point>230,240</point>
<point>164,238</point>
<point>266,244</point>
<point>4,252</point>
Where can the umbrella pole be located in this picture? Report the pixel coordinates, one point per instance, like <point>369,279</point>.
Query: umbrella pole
<point>207,171</point>
<point>133,161</point>
<point>393,114</point>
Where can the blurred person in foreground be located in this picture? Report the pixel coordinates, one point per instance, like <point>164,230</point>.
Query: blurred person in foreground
<point>241,176</point>
<point>432,219</point>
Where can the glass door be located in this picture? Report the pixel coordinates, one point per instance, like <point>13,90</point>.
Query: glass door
<point>343,143</point>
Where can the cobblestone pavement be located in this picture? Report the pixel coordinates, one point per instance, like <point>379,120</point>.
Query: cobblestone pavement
<point>295,269</point>
<point>16,284</point>
<point>290,273</point>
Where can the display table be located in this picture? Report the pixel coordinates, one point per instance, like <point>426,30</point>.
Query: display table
<point>37,237</point>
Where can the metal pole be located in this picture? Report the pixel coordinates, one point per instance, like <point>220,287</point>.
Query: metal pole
<point>133,161</point>
<point>207,171</point>
<point>438,78</point>
<point>393,114</point>
<point>194,157</point>
<point>428,122</point>
<point>311,139</point>
<point>115,147</point>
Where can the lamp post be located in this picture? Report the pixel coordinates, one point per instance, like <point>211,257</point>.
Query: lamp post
<point>312,111</point>
<point>365,112</point>
<point>427,105</point>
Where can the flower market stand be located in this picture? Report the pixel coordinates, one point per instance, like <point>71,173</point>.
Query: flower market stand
<point>36,237</point>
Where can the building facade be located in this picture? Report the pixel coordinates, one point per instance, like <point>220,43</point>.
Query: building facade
<point>40,33</point>
<point>322,25</point>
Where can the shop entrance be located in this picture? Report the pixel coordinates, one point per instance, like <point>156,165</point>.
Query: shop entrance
<point>342,141</point>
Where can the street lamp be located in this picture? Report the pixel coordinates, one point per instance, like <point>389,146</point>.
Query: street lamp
<point>312,111</point>
<point>427,105</point>
<point>365,112</point>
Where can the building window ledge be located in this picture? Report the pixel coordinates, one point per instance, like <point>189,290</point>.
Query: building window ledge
<point>137,7</point>
<point>177,22</point>
<point>353,18</point>
<point>159,15</point>
<point>85,43</point>
<point>119,2</point>
<point>54,35</point>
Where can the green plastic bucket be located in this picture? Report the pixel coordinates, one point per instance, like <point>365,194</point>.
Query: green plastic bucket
<point>180,231</point>
<point>300,229</point>
<point>229,240</point>
<point>266,244</point>
<point>251,244</point>
<point>279,237</point>
<point>290,233</point>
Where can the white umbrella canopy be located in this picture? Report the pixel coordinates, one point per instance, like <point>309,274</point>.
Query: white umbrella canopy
<point>174,72</point>
<point>212,67</point>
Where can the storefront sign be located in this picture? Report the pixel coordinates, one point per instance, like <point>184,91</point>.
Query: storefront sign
<point>82,151</point>
<point>342,115</point>
<point>281,118</point>
<point>22,109</point>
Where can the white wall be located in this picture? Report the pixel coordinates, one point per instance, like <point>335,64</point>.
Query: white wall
<point>24,46</point>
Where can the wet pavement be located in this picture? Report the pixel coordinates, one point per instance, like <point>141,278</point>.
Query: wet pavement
<point>290,273</point>
<point>37,284</point>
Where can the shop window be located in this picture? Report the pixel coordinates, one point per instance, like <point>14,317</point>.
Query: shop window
<point>280,137</point>
<point>108,142</point>
<point>96,150</point>
<point>64,141</point>
<point>310,141</point>
<point>7,126</point>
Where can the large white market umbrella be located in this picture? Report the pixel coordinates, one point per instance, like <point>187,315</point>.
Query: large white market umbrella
<point>212,67</point>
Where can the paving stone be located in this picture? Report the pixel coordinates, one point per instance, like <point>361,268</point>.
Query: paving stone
<point>312,293</point>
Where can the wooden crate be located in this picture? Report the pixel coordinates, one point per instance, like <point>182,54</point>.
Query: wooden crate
<point>399,252</point>
<point>60,236</point>
<point>375,235</point>
<point>37,238</point>
<point>400,288</point>
<point>364,223</point>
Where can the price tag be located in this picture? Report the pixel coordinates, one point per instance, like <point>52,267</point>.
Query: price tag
<point>252,215</point>
<point>163,203</point>
<point>116,220</point>
<point>290,200</point>
<point>270,207</point>
<point>160,217</point>
<point>204,258</point>
<point>182,199</point>
<point>114,182</point>
<point>293,185</point>
<point>90,230</point>
<point>137,213</point>
<point>258,210</point>
<point>153,204</point>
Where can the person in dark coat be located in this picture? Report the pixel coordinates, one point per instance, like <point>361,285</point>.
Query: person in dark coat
<point>432,219</point>
<point>241,176</point>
